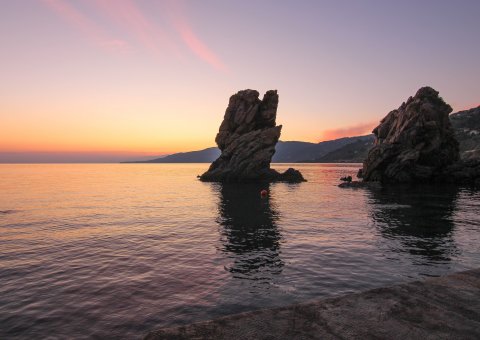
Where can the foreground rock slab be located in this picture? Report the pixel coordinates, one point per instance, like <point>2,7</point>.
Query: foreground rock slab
<point>439,308</point>
<point>247,138</point>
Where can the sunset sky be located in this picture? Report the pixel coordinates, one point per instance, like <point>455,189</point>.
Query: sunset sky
<point>105,80</point>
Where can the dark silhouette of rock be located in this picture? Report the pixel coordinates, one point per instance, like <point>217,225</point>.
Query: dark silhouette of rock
<point>466,172</point>
<point>359,184</point>
<point>291,175</point>
<point>413,143</point>
<point>247,139</point>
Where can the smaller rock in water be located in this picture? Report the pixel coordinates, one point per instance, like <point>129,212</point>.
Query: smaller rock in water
<point>291,175</point>
<point>360,184</point>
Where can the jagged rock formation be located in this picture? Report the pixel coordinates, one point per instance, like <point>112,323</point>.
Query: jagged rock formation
<point>247,139</point>
<point>413,143</point>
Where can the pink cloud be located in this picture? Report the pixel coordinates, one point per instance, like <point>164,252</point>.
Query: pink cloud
<point>130,17</point>
<point>349,131</point>
<point>87,27</point>
<point>469,106</point>
<point>117,45</point>
<point>199,48</point>
<point>191,39</point>
<point>132,20</point>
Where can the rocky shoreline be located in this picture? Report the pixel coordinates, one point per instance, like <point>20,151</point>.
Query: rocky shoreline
<point>445,307</point>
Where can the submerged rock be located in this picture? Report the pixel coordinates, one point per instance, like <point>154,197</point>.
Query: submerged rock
<point>413,143</point>
<point>359,184</point>
<point>247,139</point>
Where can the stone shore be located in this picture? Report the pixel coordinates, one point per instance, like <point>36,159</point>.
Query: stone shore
<point>437,308</point>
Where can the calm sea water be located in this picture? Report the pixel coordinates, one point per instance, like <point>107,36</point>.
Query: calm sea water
<point>115,250</point>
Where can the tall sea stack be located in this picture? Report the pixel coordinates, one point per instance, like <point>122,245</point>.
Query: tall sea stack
<point>247,138</point>
<point>414,143</point>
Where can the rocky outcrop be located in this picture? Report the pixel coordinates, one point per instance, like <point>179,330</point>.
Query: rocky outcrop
<point>247,139</point>
<point>414,143</point>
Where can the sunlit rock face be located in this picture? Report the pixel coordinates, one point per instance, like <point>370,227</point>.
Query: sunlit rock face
<point>247,138</point>
<point>413,143</point>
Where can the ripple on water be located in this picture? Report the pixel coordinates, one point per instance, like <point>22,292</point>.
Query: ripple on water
<point>116,250</point>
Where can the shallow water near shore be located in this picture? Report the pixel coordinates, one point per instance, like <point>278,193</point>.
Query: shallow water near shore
<point>116,250</point>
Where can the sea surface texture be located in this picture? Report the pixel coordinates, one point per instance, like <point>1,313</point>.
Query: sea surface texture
<point>115,250</point>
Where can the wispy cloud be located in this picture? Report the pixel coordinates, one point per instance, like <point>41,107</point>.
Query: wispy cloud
<point>349,131</point>
<point>116,45</point>
<point>190,38</point>
<point>199,48</point>
<point>93,32</point>
<point>160,35</point>
<point>129,16</point>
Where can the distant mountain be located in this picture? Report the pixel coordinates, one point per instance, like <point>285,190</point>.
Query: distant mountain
<point>467,131</point>
<point>354,152</point>
<point>201,156</point>
<point>348,149</point>
<point>292,152</point>
<point>285,152</point>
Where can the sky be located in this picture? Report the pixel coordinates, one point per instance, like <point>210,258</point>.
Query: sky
<point>108,80</point>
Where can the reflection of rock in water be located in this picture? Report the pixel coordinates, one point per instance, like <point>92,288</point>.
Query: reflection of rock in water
<point>419,217</point>
<point>248,231</point>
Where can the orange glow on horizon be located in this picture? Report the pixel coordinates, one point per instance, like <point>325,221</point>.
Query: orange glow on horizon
<point>96,127</point>
<point>96,147</point>
<point>349,131</point>
<point>468,107</point>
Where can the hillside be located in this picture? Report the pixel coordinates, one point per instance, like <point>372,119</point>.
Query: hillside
<point>200,156</point>
<point>286,152</point>
<point>467,131</point>
<point>354,152</point>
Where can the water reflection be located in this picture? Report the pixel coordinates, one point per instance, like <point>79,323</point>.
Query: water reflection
<point>419,218</point>
<point>249,234</point>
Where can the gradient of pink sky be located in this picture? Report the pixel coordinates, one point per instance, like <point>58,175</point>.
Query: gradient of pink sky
<point>154,77</point>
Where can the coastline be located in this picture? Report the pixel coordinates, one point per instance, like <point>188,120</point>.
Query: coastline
<point>444,307</point>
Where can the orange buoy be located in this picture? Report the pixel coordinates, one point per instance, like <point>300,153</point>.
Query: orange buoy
<point>263,193</point>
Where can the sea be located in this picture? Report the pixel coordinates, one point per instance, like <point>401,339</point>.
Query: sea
<point>96,251</point>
